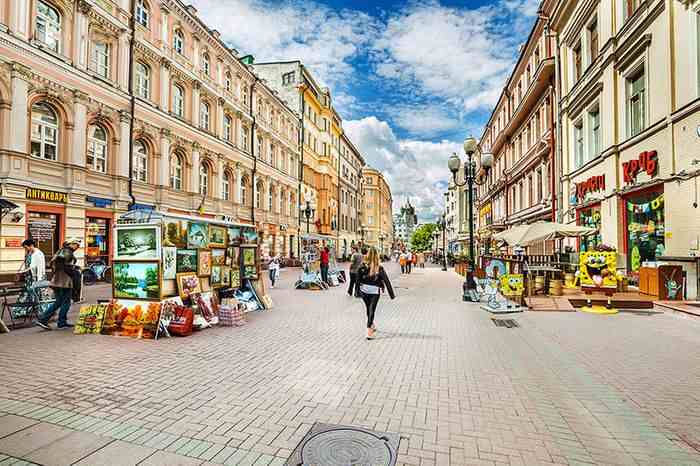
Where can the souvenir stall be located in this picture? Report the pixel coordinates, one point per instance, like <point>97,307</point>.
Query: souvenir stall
<point>175,273</point>
<point>311,263</point>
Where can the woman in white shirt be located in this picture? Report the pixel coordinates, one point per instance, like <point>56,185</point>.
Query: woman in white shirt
<point>34,261</point>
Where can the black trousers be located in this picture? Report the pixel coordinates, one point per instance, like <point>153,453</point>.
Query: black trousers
<point>77,278</point>
<point>324,273</point>
<point>354,289</point>
<point>371,301</point>
<point>408,267</point>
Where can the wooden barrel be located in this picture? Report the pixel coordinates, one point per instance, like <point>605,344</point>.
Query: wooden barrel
<point>539,283</point>
<point>569,278</point>
<point>555,287</point>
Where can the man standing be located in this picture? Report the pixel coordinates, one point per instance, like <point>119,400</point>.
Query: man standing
<point>62,285</point>
<point>73,270</point>
<point>355,264</point>
<point>409,261</point>
<point>34,261</point>
<point>325,262</point>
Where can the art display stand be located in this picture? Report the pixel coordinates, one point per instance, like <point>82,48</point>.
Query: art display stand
<point>310,278</point>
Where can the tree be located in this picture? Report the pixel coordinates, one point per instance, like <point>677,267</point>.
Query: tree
<point>422,239</point>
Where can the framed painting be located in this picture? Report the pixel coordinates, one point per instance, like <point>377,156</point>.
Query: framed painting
<point>132,319</point>
<point>225,277</point>
<point>232,257</point>
<point>136,280</point>
<point>90,319</point>
<point>249,272</point>
<point>215,278</point>
<point>197,235</point>
<point>218,256</point>
<point>234,236</point>
<point>188,284</point>
<point>249,254</point>
<point>186,261</point>
<point>204,262</point>
<point>169,262</point>
<point>217,236</point>
<point>250,236</point>
<point>235,277</point>
<point>175,233</point>
<point>137,242</point>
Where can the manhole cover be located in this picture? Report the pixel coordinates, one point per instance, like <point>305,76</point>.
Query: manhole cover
<point>508,323</point>
<point>332,445</point>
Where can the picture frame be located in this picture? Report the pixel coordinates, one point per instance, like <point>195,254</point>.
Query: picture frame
<point>250,236</point>
<point>204,262</point>
<point>249,272</point>
<point>137,242</point>
<point>232,257</point>
<point>188,284</point>
<point>175,233</point>
<point>225,277</point>
<point>218,257</point>
<point>235,277</point>
<point>217,236</point>
<point>215,277</point>
<point>234,236</point>
<point>248,255</point>
<point>136,280</point>
<point>186,261</point>
<point>197,235</point>
<point>169,262</point>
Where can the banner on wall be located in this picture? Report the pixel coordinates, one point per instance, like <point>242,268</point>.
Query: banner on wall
<point>646,207</point>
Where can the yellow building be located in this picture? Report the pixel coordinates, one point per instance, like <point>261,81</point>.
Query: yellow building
<point>377,219</point>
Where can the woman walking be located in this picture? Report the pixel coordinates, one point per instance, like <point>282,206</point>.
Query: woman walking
<point>274,269</point>
<point>373,281</point>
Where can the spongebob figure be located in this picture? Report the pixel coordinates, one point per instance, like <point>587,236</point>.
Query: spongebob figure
<point>597,270</point>
<point>512,285</point>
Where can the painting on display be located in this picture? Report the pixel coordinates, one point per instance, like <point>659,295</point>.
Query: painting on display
<point>215,278</point>
<point>188,284</point>
<point>197,235</point>
<point>90,319</point>
<point>169,262</point>
<point>249,272</point>
<point>235,277</point>
<point>250,236</point>
<point>186,261</point>
<point>232,257</point>
<point>204,262</point>
<point>137,242</point>
<point>217,236</point>
<point>234,236</point>
<point>175,233</point>
<point>226,276</point>
<point>218,256</point>
<point>131,319</point>
<point>136,280</point>
<point>248,256</point>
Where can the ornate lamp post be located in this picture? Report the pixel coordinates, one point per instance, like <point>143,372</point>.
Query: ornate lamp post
<point>470,170</point>
<point>442,225</point>
<point>308,212</point>
<point>362,235</point>
<point>381,244</point>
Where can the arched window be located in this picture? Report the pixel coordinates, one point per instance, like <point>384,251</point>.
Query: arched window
<point>228,128</point>
<point>242,191</point>
<point>272,154</point>
<point>143,14</point>
<point>97,149</point>
<point>226,186</point>
<point>204,175</point>
<point>179,42</point>
<point>44,132</point>
<point>48,26</point>
<point>259,195</point>
<point>280,201</point>
<point>178,101</point>
<point>140,162</point>
<point>206,65</point>
<point>204,116</point>
<point>143,80</point>
<point>176,172</point>
<point>227,81</point>
<point>260,148</point>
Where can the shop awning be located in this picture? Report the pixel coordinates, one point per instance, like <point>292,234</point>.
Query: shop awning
<point>317,237</point>
<point>524,235</point>
<point>6,206</point>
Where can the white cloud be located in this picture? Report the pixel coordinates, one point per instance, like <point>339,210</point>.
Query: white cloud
<point>423,120</point>
<point>414,169</point>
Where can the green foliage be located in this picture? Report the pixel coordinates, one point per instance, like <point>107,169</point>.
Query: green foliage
<point>422,239</point>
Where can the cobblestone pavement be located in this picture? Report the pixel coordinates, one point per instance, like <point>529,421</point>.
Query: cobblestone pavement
<point>562,388</point>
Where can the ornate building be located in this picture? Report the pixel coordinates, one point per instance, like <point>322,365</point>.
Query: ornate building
<point>405,223</point>
<point>378,228</point>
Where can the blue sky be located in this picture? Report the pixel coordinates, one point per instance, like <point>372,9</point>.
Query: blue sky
<point>411,79</point>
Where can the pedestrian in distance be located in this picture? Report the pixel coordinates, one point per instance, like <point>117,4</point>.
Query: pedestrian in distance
<point>34,265</point>
<point>402,262</point>
<point>355,263</point>
<point>421,260</point>
<point>373,281</point>
<point>409,261</point>
<point>74,271</point>
<point>62,285</point>
<point>325,263</point>
<point>274,270</point>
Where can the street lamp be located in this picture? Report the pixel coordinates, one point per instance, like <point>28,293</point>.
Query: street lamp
<point>362,235</point>
<point>470,167</point>
<point>307,214</point>
<point>442,225</point>
<point>381,244</point>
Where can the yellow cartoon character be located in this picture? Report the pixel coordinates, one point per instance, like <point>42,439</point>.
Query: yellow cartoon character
<point>512,285</point>
<point>597,269</point>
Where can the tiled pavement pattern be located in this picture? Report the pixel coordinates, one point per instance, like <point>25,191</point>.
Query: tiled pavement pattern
<point>564,388</point>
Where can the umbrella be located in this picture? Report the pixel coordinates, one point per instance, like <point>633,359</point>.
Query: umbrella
<point>524,235</point>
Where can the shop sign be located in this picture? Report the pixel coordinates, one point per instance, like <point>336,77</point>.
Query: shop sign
<point>99,202</point>
<point>591,185</point>
<point>138,206</point>
<point>647,162</point>
<point>12,242</point>
<point>46,195</point>
<point>227,219</point>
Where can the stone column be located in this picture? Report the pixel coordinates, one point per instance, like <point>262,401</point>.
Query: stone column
<point>195,55</point>
<point>18,115</point>
<point>124,155</point>
<point>19,19</point>
<point>164,165</point>
<point>164,12</point>
<point>123,70</point>
<point>194,173</point>
<point>239,181</point>
<point>220,117</point>
<point>195,104</point>
<point>80,129</point>
<point>165,85</point>
<point>80,35</point>
<point>218,192</point>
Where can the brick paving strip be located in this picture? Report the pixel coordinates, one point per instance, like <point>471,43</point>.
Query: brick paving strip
<point>560,389</point>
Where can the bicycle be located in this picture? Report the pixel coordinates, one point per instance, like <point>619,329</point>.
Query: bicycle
<point>97,271</point>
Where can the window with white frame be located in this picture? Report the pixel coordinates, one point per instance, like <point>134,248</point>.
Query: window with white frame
<point>242,193</point>
<point>178,101</point>
<point>97,149</point>
<point>259,195</point>
<point>176,172</point>
<point>593,41</point>
<point>206,65</point>
<point>204,179</point>
<point>636,88</point>
<point>143,13</point>
<point>204,116</point>
<point>244,138</point>
<point>45,132</point>
<point>226,186</point>
<point>270,198</point>
<point>179,42</point>
<point>48,26</point>
<point>143,80</point>
<point>578,143</point>
<point>100,58</point>
<point>272,154</point>
<point>228,128</point>
<point>288,78</point>
<point>594,131</point>
<point>261,148</point>
<point>140,162</point>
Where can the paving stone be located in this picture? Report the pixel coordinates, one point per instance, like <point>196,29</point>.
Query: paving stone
<point>117,453</point>
<point>68,450</point>
<point>166,458</point>
<point>32,438</point>
<point>9,424</point>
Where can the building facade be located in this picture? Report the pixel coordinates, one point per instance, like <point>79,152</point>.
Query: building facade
<point>351,194</point>
<point>378,230</point>
<point>630,111</point>
<point>405,223</point>
<point>198,133</point>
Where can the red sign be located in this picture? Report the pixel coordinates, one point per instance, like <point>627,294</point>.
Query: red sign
<point>591,185</point>
<point>647,162</point>
<point>13,242</point>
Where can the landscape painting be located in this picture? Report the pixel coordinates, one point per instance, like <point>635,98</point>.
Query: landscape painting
<point>217,236</point>
<point>218,256</point>
<point>197,235</point>
<point>138,242</point>
<point>131,319</point>
<point>234,236</point>
<point>250,236</point>
<point>186,261</point>
<point>175,233</point>
<point>136,280</point>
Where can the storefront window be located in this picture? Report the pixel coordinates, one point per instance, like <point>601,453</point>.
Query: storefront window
<point>590,217</point>
<point>44,229</point>
<point>645,230</point>
<point>97,240</point>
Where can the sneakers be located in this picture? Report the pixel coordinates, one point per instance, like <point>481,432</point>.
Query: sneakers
<point>41,324</point>
<point>66,325</point>
<point>370,334</point>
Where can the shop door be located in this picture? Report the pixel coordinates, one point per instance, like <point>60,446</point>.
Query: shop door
<point>645,228</point>
<point>97,240</point>
<point>44,229</point>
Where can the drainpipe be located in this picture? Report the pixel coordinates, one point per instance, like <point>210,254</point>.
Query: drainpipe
<point>302,89</point>
<point>132,41</point>
<point>557,154</point>
<point>252,150</point>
